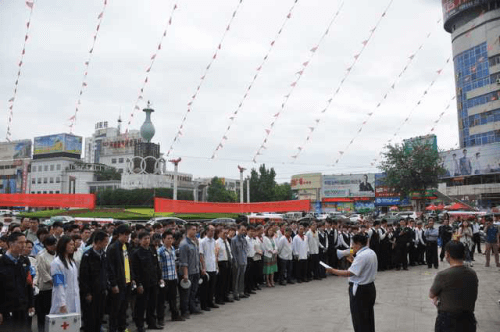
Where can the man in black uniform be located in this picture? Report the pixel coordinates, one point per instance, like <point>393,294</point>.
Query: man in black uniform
<point>445,232</point>
<point>385,247</point>
<point>332,234</point>
<point>147,276</point>
<point>403,238</point>
<point>16,295</point>
<point>93,283</point>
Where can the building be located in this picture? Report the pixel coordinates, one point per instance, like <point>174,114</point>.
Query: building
<point>475,32</point>
<point>110,147</point>
<point>348,192</point>
<point>15,159</point>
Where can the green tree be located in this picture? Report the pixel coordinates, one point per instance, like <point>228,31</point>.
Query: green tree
<point>283,192</point>
<point>107,174</point>
<point>263,186</point>
<point>414,168</point>
<point>217,192</point>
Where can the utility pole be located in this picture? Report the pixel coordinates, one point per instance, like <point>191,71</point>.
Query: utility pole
<point>241,182</point>
<point>176,168</point>
<point>248,190</point>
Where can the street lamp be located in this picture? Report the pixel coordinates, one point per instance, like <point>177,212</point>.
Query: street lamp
<point>176,167</point>
<point>241,182</point>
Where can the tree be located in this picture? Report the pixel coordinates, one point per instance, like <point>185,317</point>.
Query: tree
<point>283,192</point>
<point>411,168</point>
<point>107,174</point>
<point>217,192</point>
<point>263,186</point>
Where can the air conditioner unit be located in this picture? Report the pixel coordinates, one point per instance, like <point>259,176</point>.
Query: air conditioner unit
<point>498,81</point>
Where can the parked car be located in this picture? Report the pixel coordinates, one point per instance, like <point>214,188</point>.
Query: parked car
<point>224,221</point>
<point>5,213</point>
<point>355,217</point>
<point>63,219</point>
<point>178,221</point>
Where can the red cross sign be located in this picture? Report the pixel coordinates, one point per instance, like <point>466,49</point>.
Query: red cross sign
<point>65,326</point>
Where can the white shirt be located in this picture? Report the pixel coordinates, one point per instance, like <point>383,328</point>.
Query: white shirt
<point>258,247</point>
<point>207,249</point>
<point>222,257</point>
<point>285,250</point>
<point>313,241</point>
<point>419,236</point>
<point>475,228</point>
<point>268,247</point>
<point>300,247</point>
<point>382,233</point>
<point>364,267</point>
<point>341,242</point>
<point>251,247</point>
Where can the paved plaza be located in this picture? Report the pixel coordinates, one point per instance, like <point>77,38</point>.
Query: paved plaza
<point>402,305</point>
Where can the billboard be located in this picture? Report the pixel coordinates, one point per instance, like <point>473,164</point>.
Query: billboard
<point>15,150</point>
<point>57,143</point>
<point>430,140</point>
<point>353,185</point>
<point>119,145</point>
<point>306,181</point>
<point>454,7</point>
<point>477,160</point>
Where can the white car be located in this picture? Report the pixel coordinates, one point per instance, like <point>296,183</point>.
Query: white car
<point>407,214</point>
<point>354,217</point>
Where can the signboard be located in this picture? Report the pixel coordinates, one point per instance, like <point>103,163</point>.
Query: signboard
<point>86,201</point>
<point>57,143</point>
<point>381,190</point>
<point>453,7</point>
<point>430,140</point>
<point>306,181</point>
<point>119,145</point>
<point>15,150</point>
<point>477,160</point>
<point>390,201</point>
<point>354,185</point>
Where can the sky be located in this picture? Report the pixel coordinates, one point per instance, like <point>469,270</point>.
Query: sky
<point>61,35</point>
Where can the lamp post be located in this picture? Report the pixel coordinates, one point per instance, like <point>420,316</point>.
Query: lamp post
<point>241,182</point>
<point>176,168</point>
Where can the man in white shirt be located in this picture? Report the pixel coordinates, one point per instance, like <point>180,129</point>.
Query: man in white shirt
<point>209,265</point>
<point>285,254</point>
<point>257,258</point>
<point>362,292</point>
<point>300,249</point>
<point>314,245</point>
<point>476,238</point>
<point>224,259</point>
<point>251,266</point>
<point>419,244</point>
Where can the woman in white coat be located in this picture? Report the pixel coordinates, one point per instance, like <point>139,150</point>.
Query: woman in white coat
<point>64,272</point>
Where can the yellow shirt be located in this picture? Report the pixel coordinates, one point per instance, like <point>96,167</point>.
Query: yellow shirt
<point>127,264</point>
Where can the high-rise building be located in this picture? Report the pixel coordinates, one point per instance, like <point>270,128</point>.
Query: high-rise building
<point>475,33</point>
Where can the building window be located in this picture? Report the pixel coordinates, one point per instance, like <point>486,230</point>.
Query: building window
<point>51,192</point>
<point>52,167</point>
<point>58,167</point>
<point>34,169</point>
<point>39,180</point>
<point>57,191</point>
<point>51,180</point>
<point>120,170</point>
<point>38,192</point>
<point>33,180</point>
<point>44,192</point>
<point>44,180</point>
<point>58,180</point>
<point>40,168</point>
<point>120,160</point>
<point>113,161</point>
<point>32,192</point>
<point>46,168</point>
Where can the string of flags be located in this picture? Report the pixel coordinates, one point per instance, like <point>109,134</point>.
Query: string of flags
<point>317,120</point>
<point>436,122</point>
<point>179,131</point>
<point>258,71</point>
<point>293,85</point>
<point>8,135</point>
<point>84,84</point>
<point>391,89</point>
<point>140,96</point>
<point>405,121</point>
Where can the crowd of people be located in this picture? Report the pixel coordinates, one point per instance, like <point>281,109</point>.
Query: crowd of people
<point>119,269</point>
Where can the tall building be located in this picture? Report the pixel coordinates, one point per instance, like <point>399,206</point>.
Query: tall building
<point>475,34</point>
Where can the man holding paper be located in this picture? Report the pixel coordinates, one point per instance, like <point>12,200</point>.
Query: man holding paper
<point>361,275</point>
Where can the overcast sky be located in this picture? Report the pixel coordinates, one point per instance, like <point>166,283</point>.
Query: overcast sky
<point>61,34</point>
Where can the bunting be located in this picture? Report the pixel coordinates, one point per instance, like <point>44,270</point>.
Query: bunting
<point>258,71</point>
<point>11,101</point>
<point>83,85</point>
<point>152,59</point>
<point>203,78</point>
<point>390,89</point>
<point>293,85</point>
<point>349,69</point>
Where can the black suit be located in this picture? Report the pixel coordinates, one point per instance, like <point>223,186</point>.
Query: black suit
<point>332,247</point>
<point>116,277</point>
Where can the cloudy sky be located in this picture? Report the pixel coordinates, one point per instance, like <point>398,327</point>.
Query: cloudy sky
<point>61,35</point>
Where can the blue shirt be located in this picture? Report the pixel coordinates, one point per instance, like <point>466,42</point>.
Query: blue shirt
<point>167,263</point>
<point>37,247</point>
<point>492,234</point>
<point>189,255</point>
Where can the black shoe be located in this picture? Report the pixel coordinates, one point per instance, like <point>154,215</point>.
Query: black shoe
<point>227,299</point>
<point>141,329</point>
<point>154,327</point>
<point>236,298</point>
<point>291,282</point>
<point>178,319</point>
<point>252,292</point>
<point>220,302</point>
<point>429,267</point>
<point>299,281</point>
<point>436,267</point>
<point>185,316</point>
<point>160,323</point>
<point>245,296</point>
<point>282,283</point>
<point>213,306</point>
<point>405,268</point>
<point>197,312</point>
<point>258,287</point>
<point>398,268</point>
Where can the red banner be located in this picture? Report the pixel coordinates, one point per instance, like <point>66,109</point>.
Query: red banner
<point>168,205</point>
<point>86,201</point>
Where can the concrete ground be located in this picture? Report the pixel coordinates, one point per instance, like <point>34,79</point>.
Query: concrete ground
<point>402,305</point>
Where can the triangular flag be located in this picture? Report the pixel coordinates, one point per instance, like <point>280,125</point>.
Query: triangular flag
<point>365,42</point>
<point>314,49</point>
<point>259,68</point>
<point>289,15</point>
<point>439,71</point>
<point>11,99</point>
<point>29,4</point>
<point>100,15</point>
<point>305,63</point>
<point>268,131</point>
<point>272,43</point>
<point>356,56</point>
<point>300,72</point>
<point>293,84</point>
<point>153,56</point>
<point>412,56</point>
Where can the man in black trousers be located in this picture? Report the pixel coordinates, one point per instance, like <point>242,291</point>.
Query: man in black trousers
<point>445,232</point>
<point>362,292</point>
<point>93,283</point>
<point>403,238</point>
<point>120,279</point>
